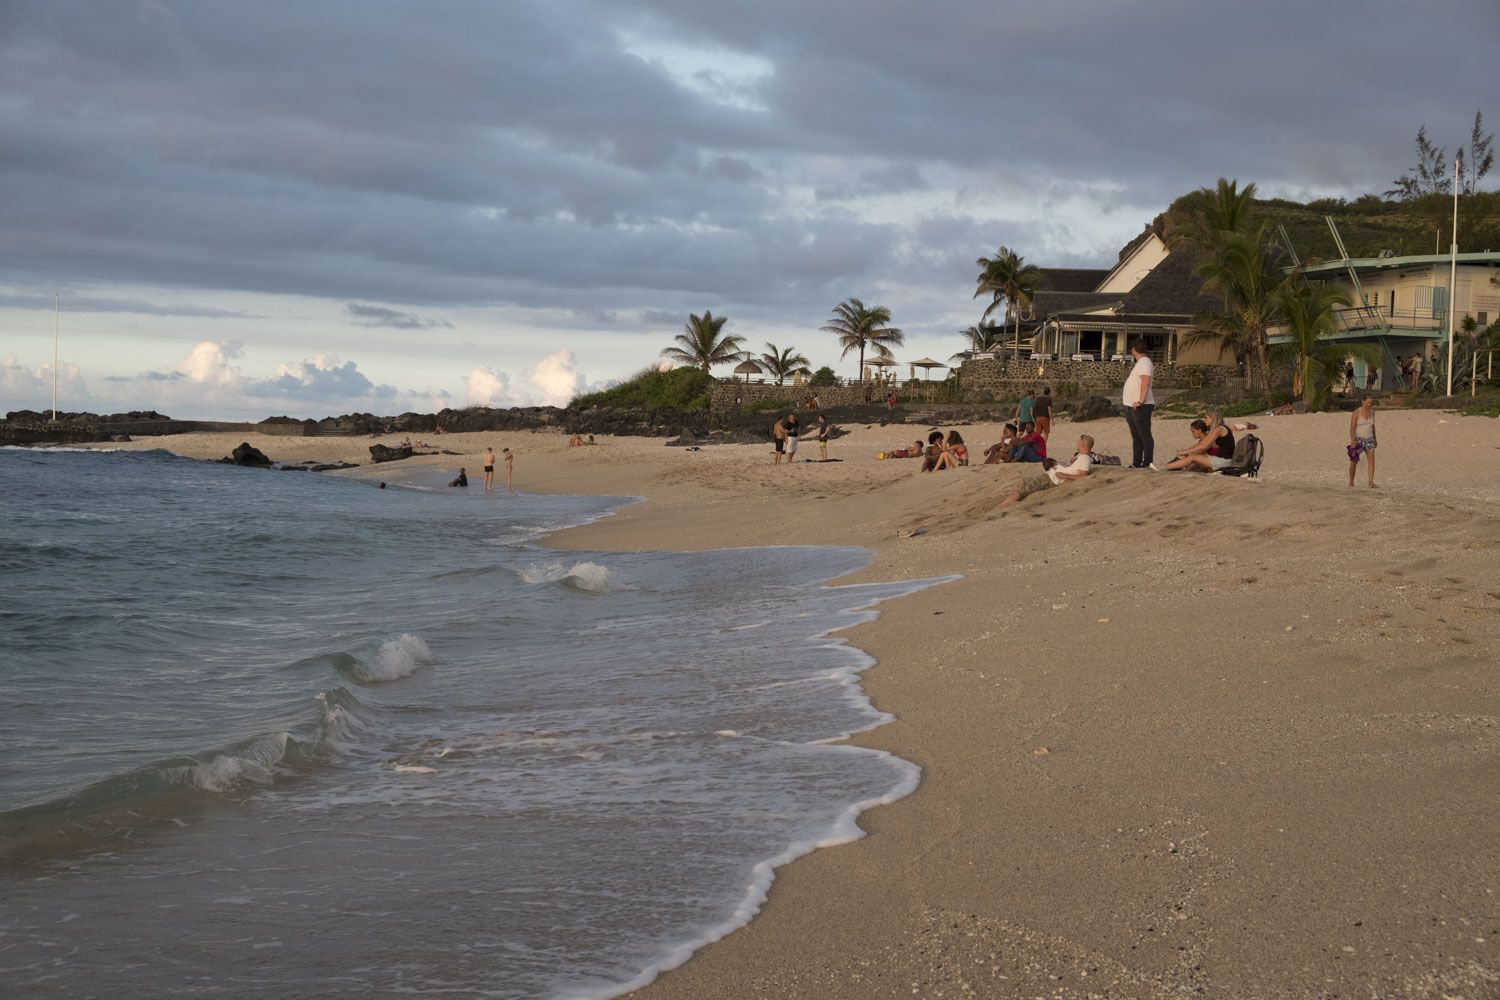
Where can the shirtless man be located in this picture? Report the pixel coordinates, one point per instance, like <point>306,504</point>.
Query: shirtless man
<point>489,468</point>
<point>778,431</point>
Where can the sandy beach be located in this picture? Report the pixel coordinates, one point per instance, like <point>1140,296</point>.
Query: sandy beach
<point>1181,735</point>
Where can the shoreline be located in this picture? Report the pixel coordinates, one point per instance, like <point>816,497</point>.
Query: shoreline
<point>1110,804</point>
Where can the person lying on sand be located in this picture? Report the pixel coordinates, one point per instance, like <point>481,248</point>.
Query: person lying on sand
<point>1083,461</point>
<point>461,480</point>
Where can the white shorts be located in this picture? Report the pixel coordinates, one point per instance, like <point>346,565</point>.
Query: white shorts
<point>791,446</point>
<point>1216,463</point>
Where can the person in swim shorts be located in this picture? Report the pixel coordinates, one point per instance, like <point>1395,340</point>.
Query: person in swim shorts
<point>489,468</point>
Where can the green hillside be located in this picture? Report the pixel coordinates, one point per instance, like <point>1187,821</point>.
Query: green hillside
<point>1369,224</point>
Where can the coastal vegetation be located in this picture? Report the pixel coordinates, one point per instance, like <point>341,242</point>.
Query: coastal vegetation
<point>651,388</point>
<point>863,328</point>
<point>703,343</point>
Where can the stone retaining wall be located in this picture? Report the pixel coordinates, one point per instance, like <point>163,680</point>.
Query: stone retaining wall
<point>1073,379</point>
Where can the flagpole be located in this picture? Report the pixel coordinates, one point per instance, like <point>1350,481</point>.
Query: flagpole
<point>1453,276</point>
<point>56,329</point>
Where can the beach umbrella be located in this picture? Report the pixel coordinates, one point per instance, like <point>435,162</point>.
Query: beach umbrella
<point>928,364</point>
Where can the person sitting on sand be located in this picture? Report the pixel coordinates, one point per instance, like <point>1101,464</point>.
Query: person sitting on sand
<point>1203,454</point>
<point>461,480</point>
<point>955,452</point>
<point>1001,452</point>
<point>1057,475</point>
<point>933,452</point>
<point>576,441</point>
<point>1030,446</point>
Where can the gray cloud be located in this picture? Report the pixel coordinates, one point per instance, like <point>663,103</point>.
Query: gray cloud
<point>525,155</point>
<point>362,314</point>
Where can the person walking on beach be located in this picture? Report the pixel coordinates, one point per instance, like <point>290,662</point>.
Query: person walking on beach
<point>1362,438</point>
<point>1139,403</point>
<point>778,431</point>
<point>793,431</point>
<point>822,438</point>
<point>1041,411</point>
<point>509,465</point>
<point>489,468</point>
<point>1024,410</point>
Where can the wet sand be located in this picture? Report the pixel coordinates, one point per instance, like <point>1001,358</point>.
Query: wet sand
<point>1180,734</point>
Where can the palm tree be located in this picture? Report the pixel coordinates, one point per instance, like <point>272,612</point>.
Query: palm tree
<point>1007,276</point>
<point>1227,211</point>
<point>1241,269</point>
<point>1310,317</point>
<point>859,328</point>
<point>703,344</point>
<point>983,338</point>
<point>781,363</point>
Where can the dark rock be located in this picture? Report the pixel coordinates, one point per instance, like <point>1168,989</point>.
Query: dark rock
<point>380,453</point>
<point>121,439</point>
<point>1096,408</point>
<point>335,465</point>
<point>250,456</point>
<point>293,468</point>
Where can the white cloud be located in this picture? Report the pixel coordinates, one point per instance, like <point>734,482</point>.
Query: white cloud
<point>553,381</point>
<point>557,379</point>
<point>208,363</point>
<point>26,388</point>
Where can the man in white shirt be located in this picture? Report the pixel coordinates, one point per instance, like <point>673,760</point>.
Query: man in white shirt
<point>1139,403</point>
<point>1079,467</point>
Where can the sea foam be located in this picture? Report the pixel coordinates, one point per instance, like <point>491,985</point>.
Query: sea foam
<point>398,658</point>
<point>586,576</point>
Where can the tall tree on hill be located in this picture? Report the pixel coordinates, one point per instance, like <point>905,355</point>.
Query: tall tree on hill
<point>781,363</point>
<point>1429,176</point>
<point>1477,160</point>
<point>860,328</point>
<point>1008,277</point>
<point>703,343</point>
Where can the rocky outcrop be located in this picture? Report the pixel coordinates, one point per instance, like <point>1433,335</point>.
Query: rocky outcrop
<point>247,454</point>
<point>1096,408</point>
<point>380,453</point>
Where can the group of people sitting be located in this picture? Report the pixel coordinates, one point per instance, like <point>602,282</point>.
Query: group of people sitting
<point>937,454</point>
<point>1018,444</point>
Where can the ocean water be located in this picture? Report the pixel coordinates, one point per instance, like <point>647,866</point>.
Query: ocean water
<point>267,734</point>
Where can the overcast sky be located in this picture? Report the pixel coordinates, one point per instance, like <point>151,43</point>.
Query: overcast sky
<point>312,207</point>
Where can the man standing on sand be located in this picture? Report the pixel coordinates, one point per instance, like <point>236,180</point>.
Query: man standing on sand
<point>1139,403</point>
<point>1024,410</point>
<point>822,438</point>
<point>1041,412</point>
<point>793,431</point>
<point>489,468</point>
<point>778,431</point>
<point>509,460</point>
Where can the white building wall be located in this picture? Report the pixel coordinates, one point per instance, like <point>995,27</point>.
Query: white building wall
<point>1129,272</point>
